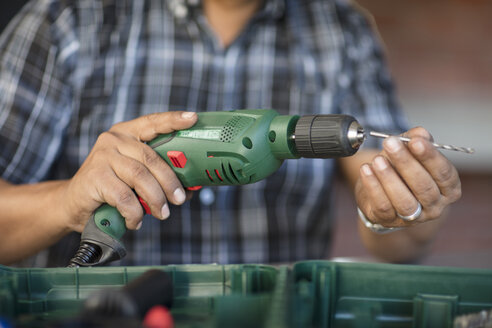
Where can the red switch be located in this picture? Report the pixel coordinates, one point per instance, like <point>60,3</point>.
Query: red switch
<point>177,158</point>
<point>144,205</point>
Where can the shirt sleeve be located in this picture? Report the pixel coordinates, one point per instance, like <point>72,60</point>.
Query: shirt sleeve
<point>36,50</point>
<point>366,87</point>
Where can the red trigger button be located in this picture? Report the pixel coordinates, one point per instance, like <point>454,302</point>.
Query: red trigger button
<point>177,158</point>
<point>144,205</point>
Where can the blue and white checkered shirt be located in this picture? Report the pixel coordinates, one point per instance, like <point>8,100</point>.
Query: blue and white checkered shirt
<point>71,69</point>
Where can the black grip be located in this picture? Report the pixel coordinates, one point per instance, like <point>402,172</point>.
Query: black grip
<point>324,136</point>
<point>154,287</point>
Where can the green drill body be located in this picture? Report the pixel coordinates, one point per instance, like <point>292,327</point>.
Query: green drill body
<point>229,148</point>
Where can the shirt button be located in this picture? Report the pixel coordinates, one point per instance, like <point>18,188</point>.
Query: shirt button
<point>207,196</point>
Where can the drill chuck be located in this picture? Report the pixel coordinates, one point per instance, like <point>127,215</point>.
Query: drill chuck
<point>327,136</point>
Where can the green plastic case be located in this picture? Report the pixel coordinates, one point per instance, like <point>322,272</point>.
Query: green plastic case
<point>307,294</point>
<point>366,295</point>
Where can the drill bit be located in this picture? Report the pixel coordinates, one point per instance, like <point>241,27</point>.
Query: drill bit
<point>447,147</point>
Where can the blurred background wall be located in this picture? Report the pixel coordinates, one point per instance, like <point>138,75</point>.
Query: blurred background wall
<point>440,54</point>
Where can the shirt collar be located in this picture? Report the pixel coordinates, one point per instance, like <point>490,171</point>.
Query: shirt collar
<point>181,8</point>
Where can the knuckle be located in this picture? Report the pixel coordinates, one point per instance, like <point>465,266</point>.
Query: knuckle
<point>446,173</point>
<point>432,202</point>
<point>140,172</point>
<point>125,197</point>
<point>132,214</point>
<point>105,138</point>
<point>384,211</point>
<point>152,119</point>
<point>427,190</point>
<point>150,157</point>
<point>455,194</point>
<point>99,156</point>
<point>434,212</point>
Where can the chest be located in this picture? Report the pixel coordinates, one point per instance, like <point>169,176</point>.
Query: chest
<point>159,64</point>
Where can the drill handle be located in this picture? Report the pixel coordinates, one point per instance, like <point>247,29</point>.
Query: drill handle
<point>100,240</point>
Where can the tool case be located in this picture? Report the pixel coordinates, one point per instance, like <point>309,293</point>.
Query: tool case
<point>306,294</point>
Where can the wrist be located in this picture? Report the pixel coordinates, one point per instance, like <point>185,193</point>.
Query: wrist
<point>56,197</point>
<point>70,210</point>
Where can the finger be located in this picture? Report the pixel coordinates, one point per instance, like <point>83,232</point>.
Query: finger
<point>147,127</point>
<point>415,176</point>
<point>159,169</point>
<point>418,132</point>
<point>438,166</point>
<point>119,195</point>
<point>401,198</point>
<point>138,177</point>
<point>378,208</point>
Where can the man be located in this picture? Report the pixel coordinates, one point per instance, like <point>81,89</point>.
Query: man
<point>72,70</point>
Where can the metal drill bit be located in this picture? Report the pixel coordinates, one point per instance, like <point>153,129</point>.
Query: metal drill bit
<point>447,147</point>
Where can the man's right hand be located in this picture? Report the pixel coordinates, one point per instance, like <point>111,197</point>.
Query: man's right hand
<point>121,162</point>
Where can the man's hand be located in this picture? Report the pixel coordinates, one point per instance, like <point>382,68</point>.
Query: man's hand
<point>121,162</point>
<point>402,176</point>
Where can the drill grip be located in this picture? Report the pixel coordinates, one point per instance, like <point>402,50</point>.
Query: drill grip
<point>100,240</point>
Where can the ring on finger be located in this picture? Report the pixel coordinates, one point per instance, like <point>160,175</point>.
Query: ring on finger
<point>415,215</point>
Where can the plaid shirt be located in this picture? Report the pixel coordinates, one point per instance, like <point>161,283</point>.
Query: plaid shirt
<point>71,69</point>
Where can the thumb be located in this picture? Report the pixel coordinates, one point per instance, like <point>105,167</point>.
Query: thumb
<point>147,127</point>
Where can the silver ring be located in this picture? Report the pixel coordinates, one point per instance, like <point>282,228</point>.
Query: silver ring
<point>375,227</point>
<point>413,216</point>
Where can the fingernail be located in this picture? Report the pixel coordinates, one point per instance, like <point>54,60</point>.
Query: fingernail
<point>139,225</point>
<point>380,163</point>
<point>366,170</point>
<point>179,196</point>
<point>165,211</point>
<point>188,115</point>
<point>418,147</point>
<point>393,144</point>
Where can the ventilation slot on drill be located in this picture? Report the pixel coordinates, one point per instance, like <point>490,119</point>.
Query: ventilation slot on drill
<point>232,173</point>
<point>224,173</point>
<point>209,176</point>
<point>218,175</point>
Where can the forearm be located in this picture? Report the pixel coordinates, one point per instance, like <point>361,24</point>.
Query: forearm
<point>31,218</point>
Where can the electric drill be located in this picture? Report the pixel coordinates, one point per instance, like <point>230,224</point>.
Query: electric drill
<point>227,148</point>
